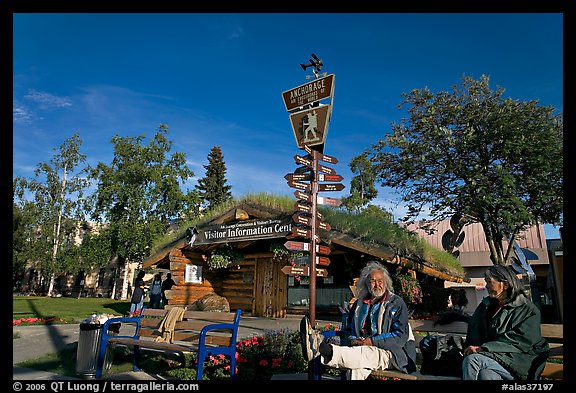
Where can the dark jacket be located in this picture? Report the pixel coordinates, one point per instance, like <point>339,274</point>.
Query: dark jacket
<point>138,291</point>
<point>512,337</point>
<point>389,329</point>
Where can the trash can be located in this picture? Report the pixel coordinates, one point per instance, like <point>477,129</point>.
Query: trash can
<point>88,346</point>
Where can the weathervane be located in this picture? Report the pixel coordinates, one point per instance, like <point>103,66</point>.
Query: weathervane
<point>317,64</point>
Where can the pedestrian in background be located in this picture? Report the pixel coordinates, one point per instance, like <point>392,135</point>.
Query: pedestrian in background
<point>166,286</point>
<point>137,300</point>
<point>156,291</point>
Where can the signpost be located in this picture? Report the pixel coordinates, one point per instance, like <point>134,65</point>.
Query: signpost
<point>302,246</point>
<point>329,201</point>
<point>309,93</point>
<point>303,271</point>
<point>309,119</point>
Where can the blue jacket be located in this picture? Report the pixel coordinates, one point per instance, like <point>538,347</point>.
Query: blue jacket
<point>389,329</point>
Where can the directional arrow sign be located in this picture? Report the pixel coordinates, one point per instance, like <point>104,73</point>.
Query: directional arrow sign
<point>303,195</point>
<point>297,246</point>
<point>323,261</point>
<point>322,249</point>
<point>301,177</point>
<point>323,225</point>
<point>303,161</point>
<point>302,246</point>
<point>303,207</point>
<point>328,201</point>
<point>306,208</point>
<point>330,187</point>
<point>325,169</point>
<point>301,186</point>
<point>300,261</point>
<point>324,177</point>
<point>300,219</point>
<point>301,232</point>
<point>302,169</point>
<point>319,156</point>
<point>304,220</point>
<point>303,271</point>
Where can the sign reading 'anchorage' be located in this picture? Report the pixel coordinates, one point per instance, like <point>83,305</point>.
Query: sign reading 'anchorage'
<point>244,230</point>
<point>308,93</point>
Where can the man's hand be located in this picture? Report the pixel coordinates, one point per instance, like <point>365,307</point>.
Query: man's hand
<point>473,349</point>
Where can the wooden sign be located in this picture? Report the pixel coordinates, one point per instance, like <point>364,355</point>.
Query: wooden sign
<point>305,260</point>
<point>324,177</point>
<point>319,156</point>
<point>326,169</point>
<point>303,207</point>
<point>323,225</point>
<point>301,177</point>
<point>328,201</point>
<point>302,232</point>
<point>303,271</point>
<point>330,187</point>
<point>305,220</point>
<point>297,246</point>
<point>307,208</point>
<point>303,246</point>
<point>322,249</point>
<point>302,169</point>
<point>308,93</point>
<point>303,195</point>
<point>303,161</point>
<point>301,219</point>
<point>300,186</point>
<point>310,126</point>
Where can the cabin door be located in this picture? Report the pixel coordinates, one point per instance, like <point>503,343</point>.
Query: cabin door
<point>270,289</point>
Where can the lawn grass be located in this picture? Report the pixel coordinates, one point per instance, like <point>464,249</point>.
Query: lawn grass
<point>64,362</point>
<point>66,309</point>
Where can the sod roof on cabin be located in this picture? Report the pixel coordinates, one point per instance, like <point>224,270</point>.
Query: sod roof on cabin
<point>363,232</point>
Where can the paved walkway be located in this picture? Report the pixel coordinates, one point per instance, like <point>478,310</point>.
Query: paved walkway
<point>36,341</point>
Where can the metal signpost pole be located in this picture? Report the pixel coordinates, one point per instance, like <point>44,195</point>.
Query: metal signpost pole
<point>312,306</point>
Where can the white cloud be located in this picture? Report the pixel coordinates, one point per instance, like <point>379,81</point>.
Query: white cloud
<point>21,114</point>
<point>47,100</point>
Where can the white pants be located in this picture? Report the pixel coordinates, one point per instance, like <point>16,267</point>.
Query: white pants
<point>360,360</point>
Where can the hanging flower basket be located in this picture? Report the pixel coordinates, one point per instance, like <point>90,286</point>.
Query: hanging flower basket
<point>223,258</point>
<point>408,288</point>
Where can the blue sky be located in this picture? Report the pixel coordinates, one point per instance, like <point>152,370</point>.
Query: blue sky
<point>217,80</point>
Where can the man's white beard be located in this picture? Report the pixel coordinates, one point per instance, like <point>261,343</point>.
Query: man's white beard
<point>377,293</point>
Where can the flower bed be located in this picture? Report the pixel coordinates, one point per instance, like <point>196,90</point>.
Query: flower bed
<point>33,321</point>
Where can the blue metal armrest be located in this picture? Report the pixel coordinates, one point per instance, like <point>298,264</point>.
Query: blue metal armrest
<point>105,336</point>
<point>229,351</point>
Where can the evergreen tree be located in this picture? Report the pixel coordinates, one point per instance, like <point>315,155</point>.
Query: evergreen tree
<point>362,189</point>
<point>212,188</point>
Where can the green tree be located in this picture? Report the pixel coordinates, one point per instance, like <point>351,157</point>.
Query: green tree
<point>213,188</point>
<point>137,197</point>
<point>493,160</point>
<point>362,189</point>
<point>51,219</point>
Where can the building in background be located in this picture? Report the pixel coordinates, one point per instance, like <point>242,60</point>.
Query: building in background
<point>474,256</point>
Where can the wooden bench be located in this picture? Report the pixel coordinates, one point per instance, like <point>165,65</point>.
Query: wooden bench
<point>206,333</point>
<point>553,333</point>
